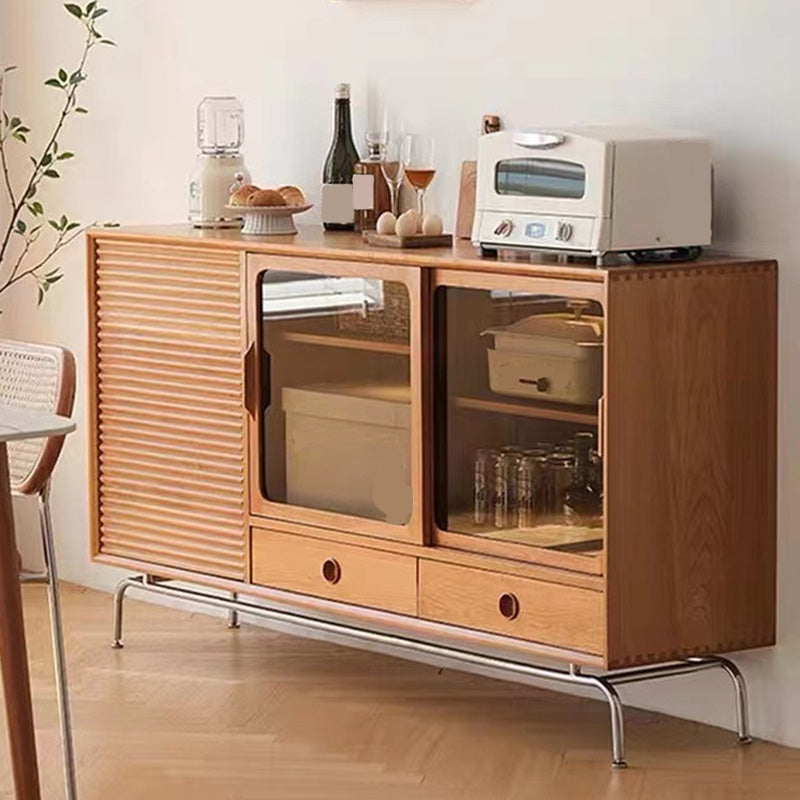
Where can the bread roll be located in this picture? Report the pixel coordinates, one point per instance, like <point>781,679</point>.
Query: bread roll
<point>265,197</point>
<point>240,195</point>
<point>292,195</point>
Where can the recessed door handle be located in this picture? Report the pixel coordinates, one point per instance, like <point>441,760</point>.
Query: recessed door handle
<point>508,605</point>
<point>331,571</point>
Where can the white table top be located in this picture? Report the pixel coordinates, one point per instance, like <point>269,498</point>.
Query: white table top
<point>28,423</point>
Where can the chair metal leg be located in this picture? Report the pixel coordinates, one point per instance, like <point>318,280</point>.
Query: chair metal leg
<point>56,628</point>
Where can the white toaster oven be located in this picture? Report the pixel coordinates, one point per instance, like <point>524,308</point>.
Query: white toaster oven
<point>594,190</point>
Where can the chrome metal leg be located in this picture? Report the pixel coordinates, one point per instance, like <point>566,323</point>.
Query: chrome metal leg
<point>605,683</point>
<point>617,719</point>
<point>740,689</point>
<point>119,597</point>
<point>233,614</point>
<point>56,628</point>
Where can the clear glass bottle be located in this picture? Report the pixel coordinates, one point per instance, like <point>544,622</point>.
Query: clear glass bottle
<point>483,485</point>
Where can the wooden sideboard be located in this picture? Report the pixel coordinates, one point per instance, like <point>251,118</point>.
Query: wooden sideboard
<point>200,353</point>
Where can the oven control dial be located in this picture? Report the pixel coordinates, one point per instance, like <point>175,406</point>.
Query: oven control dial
<point>564,231</point>
<point>504,228</point>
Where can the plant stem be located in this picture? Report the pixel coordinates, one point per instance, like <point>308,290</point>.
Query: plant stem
<point>61,241</point>
<point>35,176</point>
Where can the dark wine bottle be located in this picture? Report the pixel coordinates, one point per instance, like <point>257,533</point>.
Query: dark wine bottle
<point>582,503</point>
<point>341,161</point>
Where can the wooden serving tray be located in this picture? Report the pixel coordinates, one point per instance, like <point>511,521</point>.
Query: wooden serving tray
<point>418,240</point>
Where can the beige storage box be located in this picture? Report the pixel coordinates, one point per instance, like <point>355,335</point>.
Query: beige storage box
<point>556,357</point>
<point>347,449</point>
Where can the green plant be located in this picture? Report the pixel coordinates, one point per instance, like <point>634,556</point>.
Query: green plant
<point>28,219</point>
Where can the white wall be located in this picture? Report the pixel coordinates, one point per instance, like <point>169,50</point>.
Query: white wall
<point>729,68</point>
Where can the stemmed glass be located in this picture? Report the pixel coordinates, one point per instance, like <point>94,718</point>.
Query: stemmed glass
<point>417,159</point>
<point>392,169</point>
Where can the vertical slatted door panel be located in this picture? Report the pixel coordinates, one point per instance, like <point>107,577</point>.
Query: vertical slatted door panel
<point>169,429</point>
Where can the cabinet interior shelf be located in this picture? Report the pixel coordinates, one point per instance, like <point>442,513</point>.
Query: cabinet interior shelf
<point>347,342</point>
<point>583,415</point>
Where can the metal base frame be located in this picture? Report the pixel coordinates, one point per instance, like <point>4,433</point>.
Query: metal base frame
<point>605,682</point>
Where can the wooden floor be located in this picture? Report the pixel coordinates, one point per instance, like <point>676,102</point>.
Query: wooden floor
<point>192,710</point>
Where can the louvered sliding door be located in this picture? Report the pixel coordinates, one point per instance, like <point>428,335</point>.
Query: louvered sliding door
<point>168,429</point>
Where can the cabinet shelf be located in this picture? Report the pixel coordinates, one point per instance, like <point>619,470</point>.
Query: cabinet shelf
<point>347,342</point>
<point>583,415</point>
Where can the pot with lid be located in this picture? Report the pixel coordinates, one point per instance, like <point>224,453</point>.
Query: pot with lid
<point>554,356</point>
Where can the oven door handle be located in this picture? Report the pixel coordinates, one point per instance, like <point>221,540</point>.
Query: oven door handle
<point>539,140</point>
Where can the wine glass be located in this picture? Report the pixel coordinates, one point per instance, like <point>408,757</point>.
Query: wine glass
<point>392,168</point>
<point>417,160</point>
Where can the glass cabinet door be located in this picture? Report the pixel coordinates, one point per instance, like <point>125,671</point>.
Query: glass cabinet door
<point>333,439</point>
<point>518,461</point>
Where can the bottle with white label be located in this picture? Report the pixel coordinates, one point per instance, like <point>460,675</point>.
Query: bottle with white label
<point>338,207</point>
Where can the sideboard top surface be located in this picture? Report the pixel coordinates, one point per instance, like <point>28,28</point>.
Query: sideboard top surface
<point>313,242</point>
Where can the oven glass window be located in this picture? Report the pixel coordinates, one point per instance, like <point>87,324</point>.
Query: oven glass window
<point>540,177</point>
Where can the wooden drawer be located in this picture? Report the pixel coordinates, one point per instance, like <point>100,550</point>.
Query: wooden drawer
<point>550,613</point>
<point>341,572</point>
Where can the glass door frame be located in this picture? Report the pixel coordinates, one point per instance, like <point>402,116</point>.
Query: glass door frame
<point>259,505</point>
<point>592,286</point>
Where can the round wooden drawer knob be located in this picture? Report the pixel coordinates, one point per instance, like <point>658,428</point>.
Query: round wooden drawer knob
<point>331,571</point>
<point>508,605</point>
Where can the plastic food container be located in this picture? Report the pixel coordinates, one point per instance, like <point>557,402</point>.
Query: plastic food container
<point>348,449</point>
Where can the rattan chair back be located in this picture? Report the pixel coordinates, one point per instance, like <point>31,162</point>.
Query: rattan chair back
<point>40,377</point>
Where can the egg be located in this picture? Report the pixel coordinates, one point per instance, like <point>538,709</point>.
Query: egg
<point>432,225</point>
<point>386,224</point>
<point>407,224</point>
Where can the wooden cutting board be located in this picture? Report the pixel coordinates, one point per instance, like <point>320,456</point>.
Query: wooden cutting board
<point>465,212</point>
<point>419,240</point>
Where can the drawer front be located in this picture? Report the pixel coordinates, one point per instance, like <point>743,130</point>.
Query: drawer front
<point>556,615</point>
<point>340,572</point>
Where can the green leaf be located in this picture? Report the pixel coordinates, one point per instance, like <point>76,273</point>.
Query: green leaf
<point>65,155</point>
<point>110,225</point>
<point>54,82</point>
<point>80,110</point>
<point>74,9</point>
<point>46,159</point>
<point>35,208</point>
<point>73,225</point>
<point>62,75</point>
<point>99,13</point>
<point>53,224</point>
<point>51,280</point>
<point>32,190</point>
<point>63,221</point>
<point>23,129</point>
<point>14,122</point>
<point>108,41</point>
<point>21,226</point>
<point>41,296</point>
<point>9,68</point>
<point>51,173</point>
<point>20,136</point>
<point>90,6</point>
<point>76,77</point>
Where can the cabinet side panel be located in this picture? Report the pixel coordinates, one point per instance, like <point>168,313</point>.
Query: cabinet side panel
<point>691,461</point>
<point>168,438</point>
